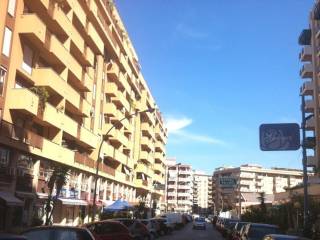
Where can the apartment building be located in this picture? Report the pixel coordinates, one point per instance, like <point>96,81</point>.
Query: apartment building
<point>309,56</point>
<point>251,179</point>
<point>179,187</point>
<point>69,79</point>
<point>202,193</point>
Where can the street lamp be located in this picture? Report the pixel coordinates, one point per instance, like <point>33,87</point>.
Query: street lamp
<point>100,158</point>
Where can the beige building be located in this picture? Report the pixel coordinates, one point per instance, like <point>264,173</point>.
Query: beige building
<point>179,187</point>
<point>309,56</point>
<point>68,74</point>
<point>202,193</point>
<point>250,180</point>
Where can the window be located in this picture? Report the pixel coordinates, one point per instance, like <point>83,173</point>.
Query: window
<point>6,42</point>
<point>3,74</point>
<point>11,7</point>
<point>27,59</point>
<point>94,91</point>
<point>4,156</point>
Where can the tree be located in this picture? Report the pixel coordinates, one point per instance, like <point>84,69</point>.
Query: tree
<point>262,198</point>
<point>57,180</point>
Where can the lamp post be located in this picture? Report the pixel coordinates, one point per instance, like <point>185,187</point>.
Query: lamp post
<point>94,206</point>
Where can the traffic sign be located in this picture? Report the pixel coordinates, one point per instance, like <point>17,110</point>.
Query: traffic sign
<point>279,137</point>
<point>227,182</point>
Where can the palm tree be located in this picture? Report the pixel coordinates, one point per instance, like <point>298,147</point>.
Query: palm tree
<point>58,179</point>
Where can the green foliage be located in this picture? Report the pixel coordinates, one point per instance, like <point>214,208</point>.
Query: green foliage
<point>58,179</point>
<point>43,96</point>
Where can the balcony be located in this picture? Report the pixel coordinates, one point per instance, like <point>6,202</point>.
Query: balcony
<point>145,143</point>
<point>94,38</point>
<point>47,77</point>
<point>52,116</point>
<point>143,168</point>
<point>159,134</point>
<point>310,124</point>
<point>160,147</point>
<point>172,201</point>
<point>145,156</point>
<point>140,183</point>
<point>147,129</point>
<point>184,194</point>
<point>120,100</point>
<point>110,110</point>
<point>88,137</point>
<point>124,63</point>
<point>307,88</point>
<point>309,106</point>
<point>116,136</point>
<point>306,54</point>
<point>159,156</point>
<point>114,154</point>
<point>70,126</point>
<point>158,168</point>
<point>23,100</point>
<point>31,27</point>
<point>306,71</point>
<point>185,187</point>
<point>158,178</point>
<point>172,194</point>
<point>185,172</point>
<point>311,161</point>
<point>111,89</point>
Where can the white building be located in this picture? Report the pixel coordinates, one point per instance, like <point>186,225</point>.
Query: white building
<point>179,186</point>
<point>202,193</point>
<point>253,179</point>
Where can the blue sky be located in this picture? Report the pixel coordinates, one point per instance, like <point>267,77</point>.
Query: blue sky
<point>218,69</point>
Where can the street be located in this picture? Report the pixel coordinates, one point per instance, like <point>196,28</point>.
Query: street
<point>187,233</point>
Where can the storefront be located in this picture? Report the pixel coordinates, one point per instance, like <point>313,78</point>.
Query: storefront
<point>11,210</point>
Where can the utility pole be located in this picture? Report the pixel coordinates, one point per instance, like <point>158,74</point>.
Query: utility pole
<point>304,163</point>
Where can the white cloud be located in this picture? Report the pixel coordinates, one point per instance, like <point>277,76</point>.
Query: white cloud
<point>176,128</point>
<point>175,124</point>
<point>189,32</point>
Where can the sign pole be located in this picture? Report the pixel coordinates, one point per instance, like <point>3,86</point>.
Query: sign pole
<point>304,163</point>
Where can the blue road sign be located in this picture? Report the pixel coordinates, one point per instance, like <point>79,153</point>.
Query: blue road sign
<point>279,137</point>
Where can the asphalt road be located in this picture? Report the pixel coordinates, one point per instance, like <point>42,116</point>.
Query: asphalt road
<point>187,233</point>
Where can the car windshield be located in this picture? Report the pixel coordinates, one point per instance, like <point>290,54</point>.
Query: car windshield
<point>200,219</point>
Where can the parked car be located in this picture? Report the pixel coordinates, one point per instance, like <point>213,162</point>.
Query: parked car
<point>236,232</point>
<point>58,233</point>
<point>199,222</point>
<point>151,226</point>
<point>138,230</point>
<point>108,230</point>
<point>283,237</point>
<point>174,218</point>
<point>169,222</point>
<point>164,227</point>
<point>257,231</point>
<point>228,228</point>
<point>5,236</point>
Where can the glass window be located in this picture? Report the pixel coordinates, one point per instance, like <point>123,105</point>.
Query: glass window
<point>6,42</point>
<point>94,91</point>
<point>4,157</point>
<point>3,73</point>
<point>27,59</point>
<point>11,7</point>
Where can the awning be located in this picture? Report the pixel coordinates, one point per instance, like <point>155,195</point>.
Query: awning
<point>73,202</point>
<point>10,199</point>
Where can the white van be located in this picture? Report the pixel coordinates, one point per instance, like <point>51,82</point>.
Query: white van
<point>173,218</point>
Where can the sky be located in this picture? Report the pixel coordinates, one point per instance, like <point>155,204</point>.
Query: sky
<point>217,70</point>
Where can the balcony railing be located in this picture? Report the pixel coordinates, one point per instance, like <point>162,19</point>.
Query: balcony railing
<point>20,134</point>
<point>84,160</point>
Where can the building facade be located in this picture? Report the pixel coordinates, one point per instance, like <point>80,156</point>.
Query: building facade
<point>68,74</point>
<point>250,180</point>
<point>179,187</point>
<point>309,72</point>
<point>202,193</point>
